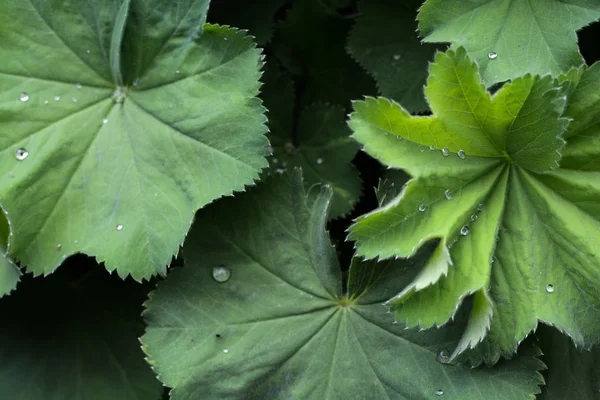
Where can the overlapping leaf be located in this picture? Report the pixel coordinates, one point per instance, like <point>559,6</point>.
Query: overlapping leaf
<point>319,142</point>
<point>384,40</point>
<point>117,171</point>
<point>513,229</point>
<point>74,339</point>
<point>281,326</point>
<point>509,39</point>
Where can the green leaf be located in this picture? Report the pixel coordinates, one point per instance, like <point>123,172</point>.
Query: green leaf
<point>112,171</point>
<point>572,373</point>
<point>74,339</point>
<point>511,228</point>
<point>510,39</point>
<point>281,327</point>
<point>385,42</point>
<point>255,15</point>
<point>9,273</point>
<point>316,56</point>
<point>320,143</point>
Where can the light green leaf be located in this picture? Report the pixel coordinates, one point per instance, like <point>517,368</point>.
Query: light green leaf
<point>385,42</point>
<point>572,373</point>
<point>316,56</point>
<point>319,143</point>
<point>282,328</point>
<point>510,39</point>
<point>74,339</point>
<point>510,227</point>
<point>255,15</point>
<point>9,273</point>
<point>117,172</point>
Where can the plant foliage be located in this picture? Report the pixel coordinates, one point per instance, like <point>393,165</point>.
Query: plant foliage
<point>284,232</point>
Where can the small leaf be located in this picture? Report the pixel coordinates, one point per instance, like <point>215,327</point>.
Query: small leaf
<point>73,339</point>
<point>511,228</point>
<point>316,56</point>
<point>281,326</point>
<point>117,171</point>
<point>320,143</point>
<point>385,42</point>
<point>511,39</point>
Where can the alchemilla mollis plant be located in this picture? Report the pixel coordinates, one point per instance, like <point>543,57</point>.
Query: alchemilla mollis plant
<point>300,199</point>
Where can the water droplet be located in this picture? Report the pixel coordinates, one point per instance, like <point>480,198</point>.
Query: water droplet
<point>275,161</point>
<point>58,247</point>
<point>78,86</point>
<point>56,98</point>
<point>480,207</point>
<point>443,357</point>
<point>474,217</point>
<point>88,51</point>
<point>461,154</point>
<point>280,170</point>
<point>319,161</point>
<point>21,154</point>
<point>422,207</point>
<point>396,57</point>
<point>119,227</point>
<point>439,392</point>
<point>445,152</point>
<point>448,194</point>
<point>221,273</point>
<point>550,288</point>
<point>24,97</point>
<point>178,72</point>
<point>464,230</point>
<point>431,148</point>
<point>74,100</point>
<point>104,120</point>
<point>136,82</point>
<point>46,102</point>
<point>225,351</point>
<point>492,55</point>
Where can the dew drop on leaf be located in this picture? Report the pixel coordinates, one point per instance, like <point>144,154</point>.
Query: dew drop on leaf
<point>221,273</point>
<point>464,230</point>
<point>225,351</point>
<point>480,207</point>
<point>550,288</point>
<point>439,392</point>
<point>21,154</point>
<point>58,247</point>
<point>319,161</point>
<point>443,357</point>
<point>56,98</point>
<point>474,217</point>
<point>178,72</point>
<point>46,101</point>
<point>492,55</point>
<point>396,57</point>
<point>104,120</point>
<point>74,100</point>
<point>445,152</point>
<point>119,227</point>
<point>461,154</point>
<point>78,86</point>
<point>24,97</point>
<point>431,148</point>
<point>422,207</point>
<point>448,194</point>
